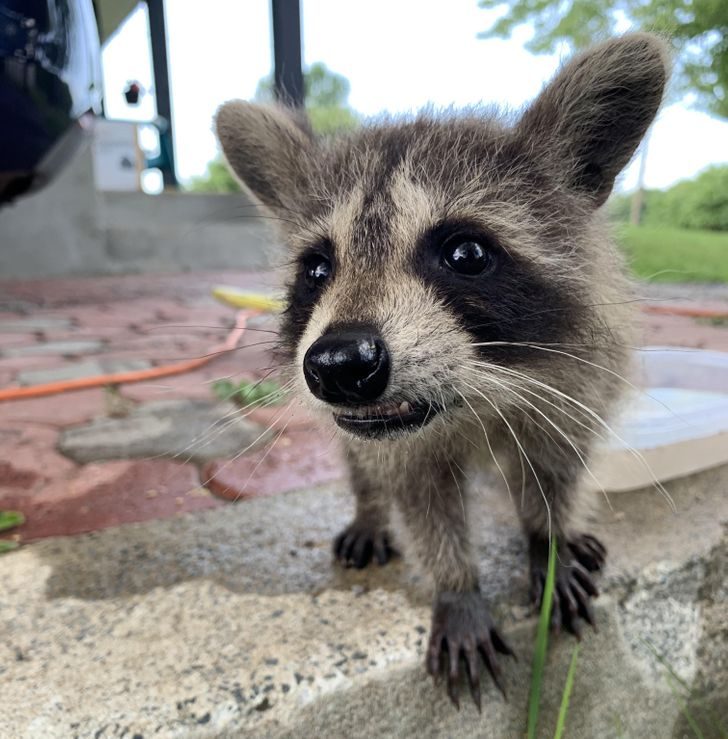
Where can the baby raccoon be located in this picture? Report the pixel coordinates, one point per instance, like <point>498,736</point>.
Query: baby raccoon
<point>455,301</point>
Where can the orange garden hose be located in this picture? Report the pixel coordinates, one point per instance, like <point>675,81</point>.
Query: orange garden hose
<point>83,383</point>
<point>684,310</point>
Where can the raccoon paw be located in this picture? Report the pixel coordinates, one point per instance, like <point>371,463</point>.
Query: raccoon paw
<point>358,544</point>
<point>574,585</point>
<point>589,552</point>
<point>463,631</point>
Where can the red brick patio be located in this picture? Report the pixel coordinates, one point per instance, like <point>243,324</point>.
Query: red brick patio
<point>77,326</point>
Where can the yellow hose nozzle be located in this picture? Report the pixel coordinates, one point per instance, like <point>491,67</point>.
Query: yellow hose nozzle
<point>243,299</point>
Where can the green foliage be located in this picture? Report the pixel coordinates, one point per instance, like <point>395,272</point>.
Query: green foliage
<point>248,392</point>
<point>327,98</point>
<point>332,119</point>
<point>327,106</point>
<point>322,88</point>
<point>10,519</point>
<point>698,29</point>
<point>566,695</point>
<point>663,254</point>
<point>216,179</point>
<point>542,638</point>
<point>701,203</point>
<point>683,694</point>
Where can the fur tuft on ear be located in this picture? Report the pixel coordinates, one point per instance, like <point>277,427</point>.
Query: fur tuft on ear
<point>591,117</point>
<point>268,148</point>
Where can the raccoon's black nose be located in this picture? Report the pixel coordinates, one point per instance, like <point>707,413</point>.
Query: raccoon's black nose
<point>347,365</point>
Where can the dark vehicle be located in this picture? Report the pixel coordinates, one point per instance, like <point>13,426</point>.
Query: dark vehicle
<point>50,88</point>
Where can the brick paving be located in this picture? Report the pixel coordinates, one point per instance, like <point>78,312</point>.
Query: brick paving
<point>56,329</point>
<point>62,329</point>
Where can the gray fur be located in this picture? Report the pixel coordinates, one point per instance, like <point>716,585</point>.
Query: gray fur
<point>536,183</point>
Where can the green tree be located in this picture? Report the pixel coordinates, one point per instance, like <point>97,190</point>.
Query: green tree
<point>327,98</point>
<point>700,203</point>
<point>217,178</point>
<point>327,105</point>
<point>698,29</point>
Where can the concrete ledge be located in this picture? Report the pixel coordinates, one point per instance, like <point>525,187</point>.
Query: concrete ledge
<point>234,622</point>
<point>71,229</point>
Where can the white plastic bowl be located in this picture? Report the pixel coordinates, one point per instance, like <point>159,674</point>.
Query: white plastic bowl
<point>677,426</point>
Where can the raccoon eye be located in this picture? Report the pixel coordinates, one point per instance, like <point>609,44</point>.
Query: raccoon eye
<point>467,257</point>
<point>317,271</point>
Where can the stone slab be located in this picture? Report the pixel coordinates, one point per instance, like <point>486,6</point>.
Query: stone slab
<point>34,323</point>
<point>62,348</point>
<point>188,430</point>
<point>298,459</point>
<point>235,623</point>
<point>99,496</point>
<point>76,370</point>
<point>54,410</point>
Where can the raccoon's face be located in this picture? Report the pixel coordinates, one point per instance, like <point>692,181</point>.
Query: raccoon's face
<point>422,249</point>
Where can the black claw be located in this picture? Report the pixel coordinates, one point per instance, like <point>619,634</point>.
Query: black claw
<point>568,602</point>
<point>574,628</point>
<point>486,651</point>
<point>585,609</point>
<point>344,546</point>
<point>556,619</point>
<point>575,587</point>
<point>471,662</point>
<point>589,552</point>
<point>359,544</point>
<point>361,552</point>
<point>452,692</point>
<point>433,657</point>
<point>382,550</point>
<point>454,673</point>
<point>536,588</point>
<point>501,644</point>
<point>583,578</point>
<point>595,545</point>
<point>462,632</point>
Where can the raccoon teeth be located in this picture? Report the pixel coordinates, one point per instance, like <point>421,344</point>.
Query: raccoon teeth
<point>404,407</point>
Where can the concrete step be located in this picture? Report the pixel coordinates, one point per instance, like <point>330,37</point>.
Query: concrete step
<point>235,622</point>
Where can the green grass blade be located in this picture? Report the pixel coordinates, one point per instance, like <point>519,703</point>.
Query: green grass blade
<point>715,724</point>
<point>684,708</point>
<point>10,519</point>
<point>564,707</point>
<point>7,545</point>
<point>542,636</point>
<point>665,663</point>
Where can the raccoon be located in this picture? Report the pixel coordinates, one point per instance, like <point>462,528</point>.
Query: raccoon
<point>455,301</point>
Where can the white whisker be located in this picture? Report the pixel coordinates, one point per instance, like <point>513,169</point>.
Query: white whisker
<point>520,446</point>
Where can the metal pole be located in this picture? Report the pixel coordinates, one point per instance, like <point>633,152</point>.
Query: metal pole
<point>287,51</point>
<point>158,33</point>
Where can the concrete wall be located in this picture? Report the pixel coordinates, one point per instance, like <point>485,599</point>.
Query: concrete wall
<point>70,229</point>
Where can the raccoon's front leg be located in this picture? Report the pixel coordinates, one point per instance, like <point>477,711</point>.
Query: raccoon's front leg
<point>434,503</point>
<point>367,537</point>
<point>550,502</point>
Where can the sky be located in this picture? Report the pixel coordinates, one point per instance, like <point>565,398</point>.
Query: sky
<point>398,56</point>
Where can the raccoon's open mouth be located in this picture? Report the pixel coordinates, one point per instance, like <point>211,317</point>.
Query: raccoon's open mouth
<point>385,418</point>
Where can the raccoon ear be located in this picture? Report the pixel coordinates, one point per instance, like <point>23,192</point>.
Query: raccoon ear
<point>268,148</point>
<point>591,117</point>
